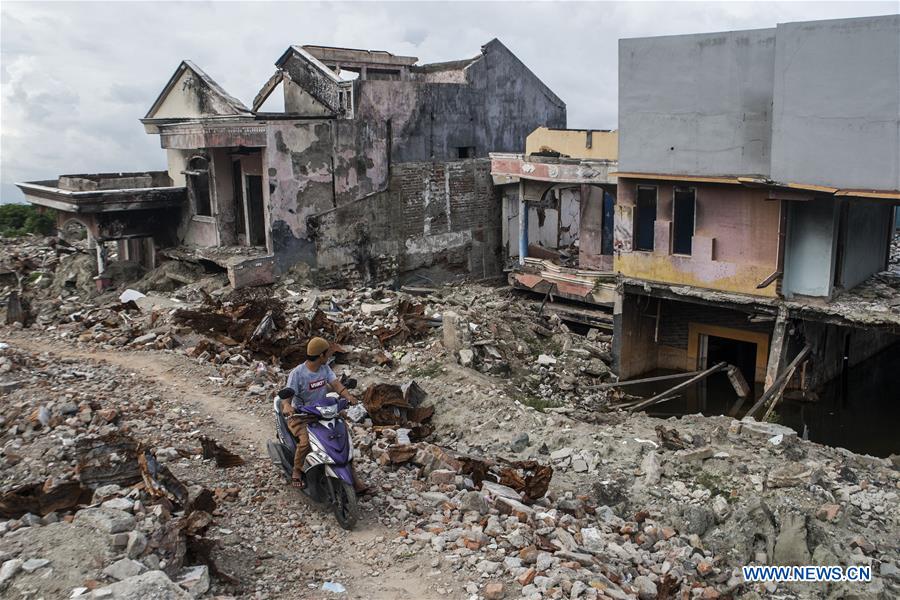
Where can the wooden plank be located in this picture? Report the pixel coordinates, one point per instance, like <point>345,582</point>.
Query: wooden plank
<point>664,395</point>
<point>776,349</point>
<point>669,177</point>
<point>778,385</point>
<point>604,386</point>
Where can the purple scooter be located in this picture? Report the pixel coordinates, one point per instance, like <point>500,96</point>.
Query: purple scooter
<point>327,468</point>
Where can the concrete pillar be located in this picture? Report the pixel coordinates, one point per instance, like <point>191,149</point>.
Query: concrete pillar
<point>523,224</point>
<point>777,347</point>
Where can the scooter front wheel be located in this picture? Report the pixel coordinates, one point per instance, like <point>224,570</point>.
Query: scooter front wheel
<point>346,509</point>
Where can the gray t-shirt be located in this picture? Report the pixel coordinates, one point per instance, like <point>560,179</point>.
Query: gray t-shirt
<point>309,386</point>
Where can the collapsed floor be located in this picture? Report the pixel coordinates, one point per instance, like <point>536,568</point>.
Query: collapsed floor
<point>636,507</point>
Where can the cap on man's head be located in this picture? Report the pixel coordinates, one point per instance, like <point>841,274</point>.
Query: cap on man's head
<point>316,346</point>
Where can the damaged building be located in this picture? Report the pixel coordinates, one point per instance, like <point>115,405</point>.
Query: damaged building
<point>758,174</point>
<point>376,167</point>
<point>557,218</point>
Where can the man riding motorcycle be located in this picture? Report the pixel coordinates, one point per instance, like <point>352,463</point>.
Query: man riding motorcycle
<point>311,381</point>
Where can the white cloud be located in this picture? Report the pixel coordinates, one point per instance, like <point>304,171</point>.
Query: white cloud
<point>76,77</point>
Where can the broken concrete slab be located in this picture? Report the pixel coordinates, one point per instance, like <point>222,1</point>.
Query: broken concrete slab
<point>791,547</point>
<point>496,490</point>
<point>9,569</point>
<point>194,579</point>
<point>123,569</point>
<point>793,474</point>
<point>753,428</point>
<point>508,506</point>
<point>33,564</point>
<point>152,584</point>
<point>106,520</point>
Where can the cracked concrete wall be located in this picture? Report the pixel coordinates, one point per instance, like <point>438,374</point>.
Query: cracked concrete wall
<point>696,104</point>
<point>837,103</point>
<point>501,103</point>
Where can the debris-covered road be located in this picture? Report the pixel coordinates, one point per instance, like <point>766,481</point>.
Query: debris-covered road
<point>506,471</point>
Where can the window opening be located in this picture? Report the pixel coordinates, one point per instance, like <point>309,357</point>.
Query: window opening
<point>645,219</point>
<point>198,185</point>
<point>683,220</point>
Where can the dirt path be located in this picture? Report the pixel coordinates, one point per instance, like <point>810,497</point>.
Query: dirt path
<point>179,378</point>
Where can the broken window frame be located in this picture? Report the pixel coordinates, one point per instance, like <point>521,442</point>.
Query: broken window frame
<point>195,174</point>
<point>679,248</point>
<point>639,214</point>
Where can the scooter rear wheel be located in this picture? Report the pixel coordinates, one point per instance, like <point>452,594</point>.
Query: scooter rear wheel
<point>346,509</point>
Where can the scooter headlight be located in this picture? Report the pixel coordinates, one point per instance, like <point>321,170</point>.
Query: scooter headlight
<point>328,412</point>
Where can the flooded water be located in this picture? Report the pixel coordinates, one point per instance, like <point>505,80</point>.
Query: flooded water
<point>860,412</point>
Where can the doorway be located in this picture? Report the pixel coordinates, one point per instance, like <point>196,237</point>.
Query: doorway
<point>256,226</point>
<point>716,392</point>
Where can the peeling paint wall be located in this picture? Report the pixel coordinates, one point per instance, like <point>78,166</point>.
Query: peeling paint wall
<point>735,244</point>
<point>299,173</point>
<point>360,158</point>
<point>190,98</point>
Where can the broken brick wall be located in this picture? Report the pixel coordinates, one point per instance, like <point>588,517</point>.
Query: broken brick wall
<point>440,220</point>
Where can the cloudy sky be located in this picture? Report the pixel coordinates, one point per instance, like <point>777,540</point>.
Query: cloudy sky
<point>76,77</point>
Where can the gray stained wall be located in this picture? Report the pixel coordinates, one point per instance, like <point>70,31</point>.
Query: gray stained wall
<point>837,103</point>
<point>696,104</point>
<point>867,234</point>
<point>809,253</point>
<point>812,102</point>
<point>501,103</point>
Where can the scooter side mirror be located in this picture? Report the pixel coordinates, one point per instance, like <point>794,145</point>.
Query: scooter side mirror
<point>286,393</point>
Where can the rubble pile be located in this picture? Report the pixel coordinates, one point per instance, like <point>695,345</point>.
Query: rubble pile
<point>500,469</point>
<point>74,480</point>
<point>643,520</point>
<point>255,335</point>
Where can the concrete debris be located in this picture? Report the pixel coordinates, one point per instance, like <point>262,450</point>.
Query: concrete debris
<point>513,476</point>
<point>153,584</point>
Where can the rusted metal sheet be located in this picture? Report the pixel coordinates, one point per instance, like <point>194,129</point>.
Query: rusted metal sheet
<point>43,498</point>
<point>224,458</point>
<point>413,323</point>
<point>159,480</point>
<point>389,404</point>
